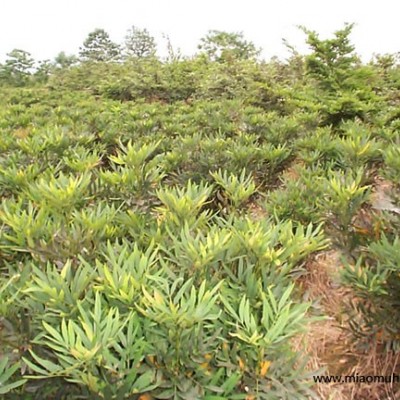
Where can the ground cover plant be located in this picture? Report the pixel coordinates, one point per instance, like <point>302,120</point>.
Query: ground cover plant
<point>158,217</point>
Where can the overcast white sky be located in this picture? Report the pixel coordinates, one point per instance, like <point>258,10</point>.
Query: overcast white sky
<point>46,27</point>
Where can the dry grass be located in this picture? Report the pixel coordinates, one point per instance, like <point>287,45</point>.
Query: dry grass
<point>381,196</point>
<point>331,346</point>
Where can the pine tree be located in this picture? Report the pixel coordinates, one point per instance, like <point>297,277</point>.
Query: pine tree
<point>221,46</point>
<point>332,61</point>
<point>98,47</point>
<point>139,43</point>
<point>17,68</point>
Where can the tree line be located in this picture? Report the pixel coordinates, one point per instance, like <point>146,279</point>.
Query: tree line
<point>20,68</point>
